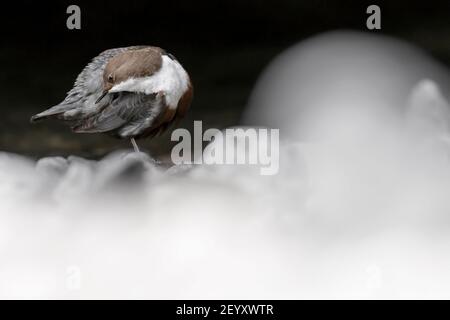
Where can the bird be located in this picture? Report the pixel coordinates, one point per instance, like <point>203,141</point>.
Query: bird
<point>128,93</point>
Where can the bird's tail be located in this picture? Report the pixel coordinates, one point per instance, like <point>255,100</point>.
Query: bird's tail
<point>50,113</point>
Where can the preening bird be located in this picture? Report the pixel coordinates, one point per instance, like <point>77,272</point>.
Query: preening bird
<point>129,93</point>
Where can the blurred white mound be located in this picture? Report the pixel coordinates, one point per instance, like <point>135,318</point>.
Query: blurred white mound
<point>338,81</point>
<point>361,211</point>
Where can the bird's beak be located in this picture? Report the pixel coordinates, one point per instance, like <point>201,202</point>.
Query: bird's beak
<point>105,92</point>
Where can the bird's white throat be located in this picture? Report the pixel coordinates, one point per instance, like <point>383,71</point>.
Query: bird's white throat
<point>171,79</point>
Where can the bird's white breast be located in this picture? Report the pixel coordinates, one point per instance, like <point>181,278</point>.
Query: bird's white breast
<point>171,79</point>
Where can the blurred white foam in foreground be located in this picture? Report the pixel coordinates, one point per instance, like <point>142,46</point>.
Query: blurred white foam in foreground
<point>362,212</point>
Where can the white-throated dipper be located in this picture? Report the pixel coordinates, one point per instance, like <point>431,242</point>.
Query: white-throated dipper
<point>130,93</point>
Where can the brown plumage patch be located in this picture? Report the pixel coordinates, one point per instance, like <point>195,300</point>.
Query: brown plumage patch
<point>132,64</point>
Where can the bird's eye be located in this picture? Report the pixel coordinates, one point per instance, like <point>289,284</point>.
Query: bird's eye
<point>110,78</point>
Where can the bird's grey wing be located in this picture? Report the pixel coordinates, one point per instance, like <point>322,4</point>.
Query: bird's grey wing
<point>89,84</point>
<point>80,100</point>
<point>161,118</point>
<point>125,115</point>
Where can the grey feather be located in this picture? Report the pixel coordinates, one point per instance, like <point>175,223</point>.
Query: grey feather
<point>80,100</point>
<point>126,115</point>
<point>89,81</point>
<point>53,111</point>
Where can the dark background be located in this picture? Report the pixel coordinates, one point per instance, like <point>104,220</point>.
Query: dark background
<point>224,45</point>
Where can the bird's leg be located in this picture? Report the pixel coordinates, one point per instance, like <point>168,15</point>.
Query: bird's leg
<point>135,146</point>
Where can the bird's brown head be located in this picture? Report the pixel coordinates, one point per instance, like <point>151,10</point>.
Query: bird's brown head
<point>136,63</point>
